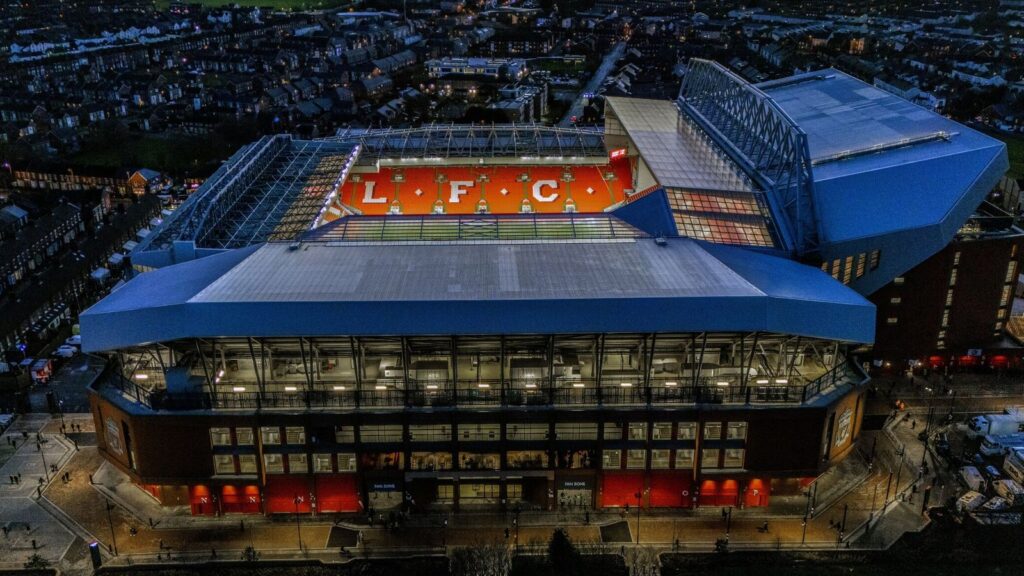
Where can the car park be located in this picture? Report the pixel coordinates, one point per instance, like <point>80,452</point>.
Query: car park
<point>65,351</point>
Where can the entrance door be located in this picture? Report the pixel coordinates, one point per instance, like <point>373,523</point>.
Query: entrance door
<point>575,499</point>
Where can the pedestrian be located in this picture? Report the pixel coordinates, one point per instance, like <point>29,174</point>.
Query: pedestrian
<point>213,552</point>
<point>913,424</point>
<point>764,527</point>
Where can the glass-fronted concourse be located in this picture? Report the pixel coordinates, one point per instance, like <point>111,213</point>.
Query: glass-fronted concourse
<point>519,370</point>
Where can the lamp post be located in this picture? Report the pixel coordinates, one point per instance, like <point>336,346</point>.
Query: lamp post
<point>110,521</point>
<point>42,455</point>
<point>515,522</point>
<point>639,505</point>
<point>298,520</point>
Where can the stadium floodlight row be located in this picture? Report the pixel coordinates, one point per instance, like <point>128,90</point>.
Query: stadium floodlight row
<point>529,317</point>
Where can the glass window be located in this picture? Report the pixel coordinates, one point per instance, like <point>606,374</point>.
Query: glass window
<point>431,461</point>
<point>660,459</point>
<point>874,259</point>
<point>297,464</point>
<point>709,458</point>
<point>527,459</point>
<point>476,432</point>
<point>478,461</point>
<point>736,431</point>
<point>344,434</point>
<point>247,463</point>
<point>514,491</point>
<point>576,431</point>
<point>892,320</point>
<point>430,433</point>
<point>244,436</point>
<point>295,435</point>
<point>381,433</point>
<point>661,431</point>
<point>526,431</point>
<point>271,434</point>
<point>686,430</point>
<point>220,436</point>
<point>611,459</point>
<point>382,461</point>
<point>684,458</point>
<point>322,463</point>
<point>223,464</point>
<point>636,459</point>
<point>445,494</point>
<point>612,431</point>
<point>346,462</point>
<point>712,430</point>
<point>638,431</point>
<point>273,463</point>
<point>733,458</point>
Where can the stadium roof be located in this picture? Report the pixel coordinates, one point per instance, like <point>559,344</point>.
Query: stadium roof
<point>882,164</point>
<point>676,152</point>
<point>499,287</point>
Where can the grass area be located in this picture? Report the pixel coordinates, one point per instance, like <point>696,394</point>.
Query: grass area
<point>279,4</point>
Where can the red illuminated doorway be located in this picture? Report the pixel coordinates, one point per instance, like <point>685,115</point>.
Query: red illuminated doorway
<point>757,494</point>
<point>240,499</point>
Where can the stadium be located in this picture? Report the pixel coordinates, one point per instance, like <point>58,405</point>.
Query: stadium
<point>663,313</point>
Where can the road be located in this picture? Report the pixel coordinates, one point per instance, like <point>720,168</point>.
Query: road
<point>606,67</point>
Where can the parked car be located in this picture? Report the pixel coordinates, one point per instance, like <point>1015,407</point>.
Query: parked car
<point>65,351</point>
<point>75,340</point>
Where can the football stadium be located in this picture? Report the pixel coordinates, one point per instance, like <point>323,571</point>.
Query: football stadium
<point>664,313</point>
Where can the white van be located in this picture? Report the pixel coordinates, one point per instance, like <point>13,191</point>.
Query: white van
<point>1010,490</point>
<point>969,502</point>
<point>972,478</point>
<point>996,504</point>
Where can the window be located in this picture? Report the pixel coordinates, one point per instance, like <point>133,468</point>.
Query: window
<point>684,458</point>
<point>1001,313</point>
<point>638,431</point>
<point>712,430</point>
<point>895,300</point>
<point>576,431</point>
<point>223,464</point>
<point>322,463</point>
<point>344,434</point>
<point>898,280</point>
<point>479,432</point>
<point>477,461</point>
<point>220,436</point>
<point>847,270</point>
<point>247,463</point>
<point>949,297</point>
<point>271,434</point>
<point>244,436</point>
<point>526,431</point>
<point>874,259</point>
<point>612,431</point>
<point>381,433</point>
<point>686,431</point>
<point>514,492</point>
<point>611,459</point>
<point>445,494</point>
<point>297,464</point>
<point>835,268</point>
<point>709,458</point>
<point>431,461</point>
<point>733,458</point>
<point>736,431</point>
<point>660,459</point>
<point>273,463</point>
<point>843,427</point>
<point>430,433</point>
<point>346,462</point>
<point>956,259</point>
<point>952,277</point>
<point>527,459</point>
<point>1011,272</point>
<point>861,264</point>
<point>1005,299</point>
<point>636,459</point>
<point>661,431</point>
<point>945,318</point>
<point>892,320</point>
<point>295,435</point>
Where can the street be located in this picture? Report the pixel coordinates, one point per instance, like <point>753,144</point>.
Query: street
<point>602,72</point>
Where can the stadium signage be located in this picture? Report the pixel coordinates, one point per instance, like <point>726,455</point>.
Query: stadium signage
<point>617,153</point>
<point>542,191</point>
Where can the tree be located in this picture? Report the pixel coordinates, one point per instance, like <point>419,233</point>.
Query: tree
<point>642,561</point>
<point>37,562</point>
<point>493,559</point>
<point>562,553</point>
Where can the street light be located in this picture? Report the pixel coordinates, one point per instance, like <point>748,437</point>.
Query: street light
<point>298,520</point>
<point>110,521</point>
<point>515,522</point>
<point>639,506</point>
<point>42,455</point>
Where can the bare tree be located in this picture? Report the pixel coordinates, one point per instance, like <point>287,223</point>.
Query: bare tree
<point>642,561</point>
<point>481,559</point>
